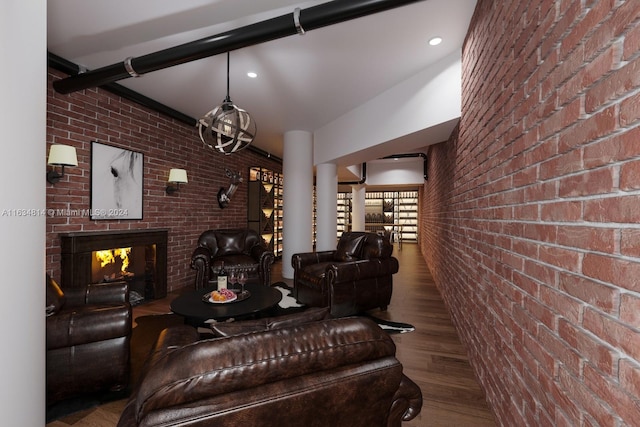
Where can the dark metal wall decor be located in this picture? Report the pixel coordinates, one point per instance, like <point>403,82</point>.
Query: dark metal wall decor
<point>224,195</point>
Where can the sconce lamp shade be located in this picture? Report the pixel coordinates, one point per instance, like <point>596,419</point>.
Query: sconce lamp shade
<point>62,155</point>
<point>177,176</point>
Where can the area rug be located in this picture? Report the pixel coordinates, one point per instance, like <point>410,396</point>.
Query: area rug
<point>391,327</point>
<point>289,304</point>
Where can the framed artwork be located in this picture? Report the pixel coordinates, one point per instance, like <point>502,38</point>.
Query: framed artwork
<point>116,182</point>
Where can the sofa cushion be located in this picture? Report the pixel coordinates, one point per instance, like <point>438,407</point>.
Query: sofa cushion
<point>55,296</point>
<point>348,248</point>
<point>236,262</point>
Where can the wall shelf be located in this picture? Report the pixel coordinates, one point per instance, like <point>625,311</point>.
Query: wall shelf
<point>264,214</point>
<point>394,211</point>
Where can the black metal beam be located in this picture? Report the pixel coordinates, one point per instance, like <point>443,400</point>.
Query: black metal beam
<point>404,156</point>
<point>363,177</point>
<point>71,68</point>
<point>311,18</point>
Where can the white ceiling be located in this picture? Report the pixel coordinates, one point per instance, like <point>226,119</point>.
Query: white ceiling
<point>304,82</point>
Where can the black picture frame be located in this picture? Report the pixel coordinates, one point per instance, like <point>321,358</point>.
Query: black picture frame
<point>117,182</point>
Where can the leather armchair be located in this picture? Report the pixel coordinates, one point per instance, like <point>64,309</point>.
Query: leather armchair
<point>335,372</point>
<point>88,339</point>
<point>239,248</point>
<point>356,277</point>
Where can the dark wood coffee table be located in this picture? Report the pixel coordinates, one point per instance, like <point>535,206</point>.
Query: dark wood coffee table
<point>196,312</point>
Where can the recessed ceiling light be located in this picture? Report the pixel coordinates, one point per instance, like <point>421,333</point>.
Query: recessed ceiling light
<point>435,41</point>
<point>252,74</point>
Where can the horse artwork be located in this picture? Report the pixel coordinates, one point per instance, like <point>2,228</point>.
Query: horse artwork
<point>116,182</point>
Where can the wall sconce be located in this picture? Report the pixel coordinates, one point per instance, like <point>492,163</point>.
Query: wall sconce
<point>176,176</point>
<point>60,155</point>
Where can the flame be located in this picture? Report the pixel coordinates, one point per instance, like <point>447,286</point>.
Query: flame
<point>109,256</point>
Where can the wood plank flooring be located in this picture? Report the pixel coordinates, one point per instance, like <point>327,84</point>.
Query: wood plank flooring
<point>432,355</point>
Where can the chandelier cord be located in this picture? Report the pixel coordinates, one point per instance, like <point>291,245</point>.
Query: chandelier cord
<point>228,60</point>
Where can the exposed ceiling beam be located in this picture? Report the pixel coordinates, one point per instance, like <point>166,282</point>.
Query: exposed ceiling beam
<point>298,22</point>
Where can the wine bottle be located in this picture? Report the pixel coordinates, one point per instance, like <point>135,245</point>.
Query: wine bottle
<point>222,277</point>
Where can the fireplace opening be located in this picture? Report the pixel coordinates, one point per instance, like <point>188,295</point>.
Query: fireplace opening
<point>136,265</point>
<point>138,257</point>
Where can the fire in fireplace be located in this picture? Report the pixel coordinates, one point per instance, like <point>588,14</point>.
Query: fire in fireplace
<point>110,265</point>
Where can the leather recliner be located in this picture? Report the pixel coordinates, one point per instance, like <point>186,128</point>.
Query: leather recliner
<point>238,248</point>
<point>335,372</point>
<point>88,339</point>
<point>356,277</point>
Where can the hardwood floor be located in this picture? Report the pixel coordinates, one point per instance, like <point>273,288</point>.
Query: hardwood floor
<point>432,355</point>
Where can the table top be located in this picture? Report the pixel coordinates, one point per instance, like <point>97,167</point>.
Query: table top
<point>196,311</point>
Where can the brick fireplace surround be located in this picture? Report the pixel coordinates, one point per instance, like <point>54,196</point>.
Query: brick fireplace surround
<point>77,252</point>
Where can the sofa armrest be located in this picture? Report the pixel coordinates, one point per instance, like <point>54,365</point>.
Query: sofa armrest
<point>350,271</point>
<point>87,324</point>
<point>99,293</point>
<point>168,340</point>
<point>201,262</point>
<point>265,258</point>
<point>301,260</point>
<point>260,253</point>
<point>407,402</point>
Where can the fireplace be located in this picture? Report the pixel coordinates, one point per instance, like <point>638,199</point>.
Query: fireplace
<point>138,257</point>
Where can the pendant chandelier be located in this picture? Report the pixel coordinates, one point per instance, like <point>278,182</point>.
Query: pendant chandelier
<point>227,128</point>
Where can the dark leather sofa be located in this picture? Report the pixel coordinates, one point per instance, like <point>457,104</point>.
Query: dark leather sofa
<point>239,248</point>
<point>356,277</point>
<point>88,339</point>
<point>335,372</point>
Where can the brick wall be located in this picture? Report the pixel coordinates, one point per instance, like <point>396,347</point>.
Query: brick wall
<point>98,115</point>
<point>531,216</point>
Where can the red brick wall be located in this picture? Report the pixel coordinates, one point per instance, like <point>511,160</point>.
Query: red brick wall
<point>531,215</point>
<point>98,115</point>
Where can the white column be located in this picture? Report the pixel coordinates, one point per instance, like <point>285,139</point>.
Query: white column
<point>23,42</point>
<point>358,193</point>
<point>297,197</point>
<point>326,206</point>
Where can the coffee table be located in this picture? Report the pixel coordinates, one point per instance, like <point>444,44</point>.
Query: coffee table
<point>196,312</point>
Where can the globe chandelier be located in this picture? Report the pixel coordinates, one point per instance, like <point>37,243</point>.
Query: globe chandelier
<point>227,128</point>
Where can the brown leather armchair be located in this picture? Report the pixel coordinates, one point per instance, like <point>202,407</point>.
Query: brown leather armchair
<point>88,336</point>
<point>336,372</point>
<point>239,248</point>
<point>355,277</point>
